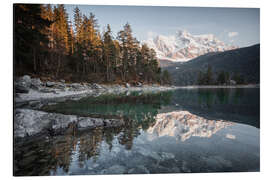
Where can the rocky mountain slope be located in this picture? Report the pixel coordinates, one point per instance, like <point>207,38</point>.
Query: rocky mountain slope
<point>184,46</point>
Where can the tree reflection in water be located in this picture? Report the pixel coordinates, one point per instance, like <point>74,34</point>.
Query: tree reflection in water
<point>46,155</point>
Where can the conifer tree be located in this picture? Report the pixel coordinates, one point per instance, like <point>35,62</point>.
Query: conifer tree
<point>221,79</point>
<point>109,52</point>
<point>45,41</point>
<point>30,41</point>
<point>209,76</point>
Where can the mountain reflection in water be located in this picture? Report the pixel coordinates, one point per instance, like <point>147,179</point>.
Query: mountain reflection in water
<point>170,132</point>
<point>183,125</point>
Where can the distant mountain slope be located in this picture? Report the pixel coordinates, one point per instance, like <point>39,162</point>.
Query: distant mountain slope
<point>184,46</point>
<point>245,61</point>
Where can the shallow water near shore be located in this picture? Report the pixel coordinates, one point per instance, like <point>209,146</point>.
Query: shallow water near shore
<point>186,130</point>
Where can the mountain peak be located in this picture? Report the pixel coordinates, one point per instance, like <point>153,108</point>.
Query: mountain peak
<point>183,33</point>
<point>184,46</point>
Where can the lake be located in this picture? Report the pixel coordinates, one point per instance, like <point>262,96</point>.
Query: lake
<point>186,130</point>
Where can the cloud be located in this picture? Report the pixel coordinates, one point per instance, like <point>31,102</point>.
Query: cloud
<point>232,34</point>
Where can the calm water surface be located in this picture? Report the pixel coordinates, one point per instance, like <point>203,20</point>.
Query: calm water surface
<point>187,130</point>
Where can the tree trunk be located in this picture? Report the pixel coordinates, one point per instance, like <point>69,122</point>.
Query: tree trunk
<point>58,66</point>
<point>34,58</point>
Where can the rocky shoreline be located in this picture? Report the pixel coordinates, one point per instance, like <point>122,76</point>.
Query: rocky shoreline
<point>31,94</point>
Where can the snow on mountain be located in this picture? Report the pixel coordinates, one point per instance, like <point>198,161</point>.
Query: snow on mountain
<point>184,46</point>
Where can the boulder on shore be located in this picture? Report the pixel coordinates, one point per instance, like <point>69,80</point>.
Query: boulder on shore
<point>29,122</point>
<point>21,89</point>
<point>50,84</point>
<point>25,80</point>
<point>96,86</point>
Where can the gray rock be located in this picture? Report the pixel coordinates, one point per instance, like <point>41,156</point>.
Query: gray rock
<point>76,86</point>
<point>25,80</point>
<point>34,103</point>
<point>29,122</point>
<point>46,90</point>
<point>21,89</point>
<point>60,121</point>
<point>86,122</point>
<point>35,87</point>
<point>19,104</point>
<point>50,84</point>
<point>96,86</point>
<point>36,82</point>
<point>60,85</point>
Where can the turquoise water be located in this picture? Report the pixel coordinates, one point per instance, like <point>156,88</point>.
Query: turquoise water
<point>187,130</point>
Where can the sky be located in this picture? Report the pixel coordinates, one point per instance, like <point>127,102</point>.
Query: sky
<point>236,26</point>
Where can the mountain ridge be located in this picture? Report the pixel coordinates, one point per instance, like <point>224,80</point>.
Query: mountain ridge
<point>184,46</point>
<point>243,61</point>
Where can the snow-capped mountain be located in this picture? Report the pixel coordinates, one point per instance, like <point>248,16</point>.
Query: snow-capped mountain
<point>184,46</point>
